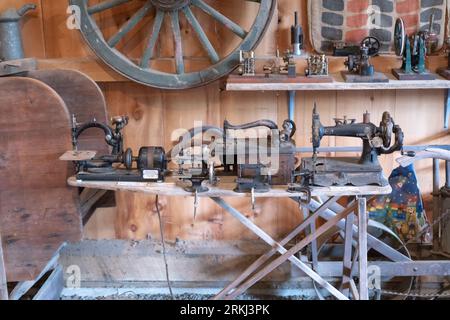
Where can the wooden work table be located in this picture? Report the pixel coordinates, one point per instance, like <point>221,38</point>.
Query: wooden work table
<point>257,270</point>
<point>224,189</point>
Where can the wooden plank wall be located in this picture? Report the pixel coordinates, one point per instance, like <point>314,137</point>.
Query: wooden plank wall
<point>155,113</point>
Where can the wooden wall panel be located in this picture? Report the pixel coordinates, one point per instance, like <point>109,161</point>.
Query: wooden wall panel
<point>59,40</point>
<point>155,114</point>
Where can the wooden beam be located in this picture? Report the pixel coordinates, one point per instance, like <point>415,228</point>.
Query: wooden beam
<point>3,280</point>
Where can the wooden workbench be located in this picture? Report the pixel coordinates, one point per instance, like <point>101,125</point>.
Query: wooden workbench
<point>259,269</point>
<point>224,189</point>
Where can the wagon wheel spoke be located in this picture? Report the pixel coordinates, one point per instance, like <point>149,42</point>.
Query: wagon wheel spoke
<point>175,19</point>
<point>238,30</point>
<point>201,35</point>
<point>105,5</point>
<point>139,68</point>
<point>129,25</point>
<point>148,53</point>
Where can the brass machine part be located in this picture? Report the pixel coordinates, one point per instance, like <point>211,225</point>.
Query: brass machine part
<point>288,67</point>
<point>247,65</point>
<point>317,65</point>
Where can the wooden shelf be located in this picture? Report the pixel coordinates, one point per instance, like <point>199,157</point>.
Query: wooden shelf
<point>233,84</point>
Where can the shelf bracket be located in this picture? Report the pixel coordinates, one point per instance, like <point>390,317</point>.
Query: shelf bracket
<point>291,105</point>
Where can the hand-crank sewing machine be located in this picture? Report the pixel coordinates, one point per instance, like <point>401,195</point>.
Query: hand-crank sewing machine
<point>118,165</point>
<point>259,155</point>
<point>365,170</point>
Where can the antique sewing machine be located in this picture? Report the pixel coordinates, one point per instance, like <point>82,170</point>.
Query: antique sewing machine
<point>359,68</point>
<point>413,51</point>
<point>150,165</point>
<point>259,159</point>
<point>341,171</point>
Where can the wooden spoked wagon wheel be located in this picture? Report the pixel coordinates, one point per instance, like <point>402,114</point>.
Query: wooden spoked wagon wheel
<point>139,69</point>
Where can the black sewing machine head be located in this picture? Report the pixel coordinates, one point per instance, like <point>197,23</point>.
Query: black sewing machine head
<point>151,163</point>
<point>365,170</point>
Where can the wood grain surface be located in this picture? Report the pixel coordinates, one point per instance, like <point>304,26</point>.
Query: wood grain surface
<point>38,212</point>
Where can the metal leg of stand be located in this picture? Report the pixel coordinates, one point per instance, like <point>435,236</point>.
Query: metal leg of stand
<point>362,247</point>
<point>3,280</point>
<point>289,255</point>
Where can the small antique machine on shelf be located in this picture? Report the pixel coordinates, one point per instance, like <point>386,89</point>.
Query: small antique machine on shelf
<point>359,68</point>
<point>342,49</point>
<point>337,171</point>
<point>317,66</point>
<point>413,50</point>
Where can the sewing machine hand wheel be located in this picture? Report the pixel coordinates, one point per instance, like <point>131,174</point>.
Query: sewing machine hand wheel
<point>387,129</point>
<point>373,44</point>
<point>128,159</point>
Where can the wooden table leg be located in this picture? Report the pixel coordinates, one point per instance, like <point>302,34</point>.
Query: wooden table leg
<point>289,254</point>
<point>3,280</point>
<point>314,249</point>
<point>266,257</point>
<point>278,247</point>
<point>362,247</point>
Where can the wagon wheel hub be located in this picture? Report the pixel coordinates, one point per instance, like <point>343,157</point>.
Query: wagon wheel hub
<point>170,5</point>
